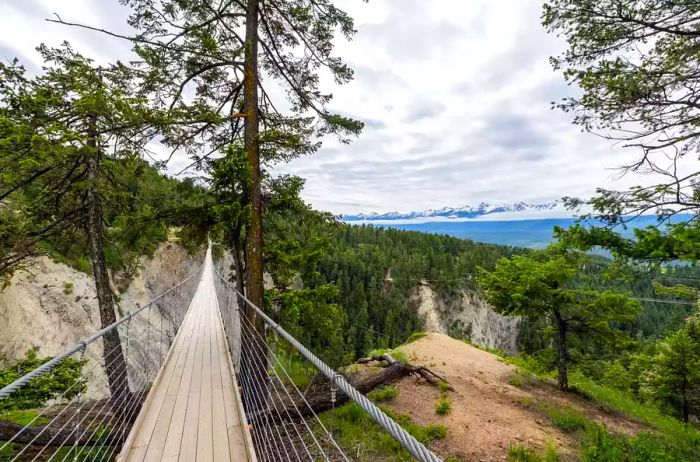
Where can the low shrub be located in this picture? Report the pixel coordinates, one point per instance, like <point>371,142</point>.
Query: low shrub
<point>443,406</point>
<point>68,288</point>
<point>517,379</point>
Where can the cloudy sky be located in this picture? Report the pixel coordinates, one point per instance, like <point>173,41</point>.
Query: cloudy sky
<point>455,96</point>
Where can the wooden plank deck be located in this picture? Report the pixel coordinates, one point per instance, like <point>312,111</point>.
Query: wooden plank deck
<point>193,411</point>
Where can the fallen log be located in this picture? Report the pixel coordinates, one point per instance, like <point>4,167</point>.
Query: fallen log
<point>421,371</point>
<point>319,400</point>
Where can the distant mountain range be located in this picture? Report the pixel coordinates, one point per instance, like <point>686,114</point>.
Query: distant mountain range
<point>482,211</point>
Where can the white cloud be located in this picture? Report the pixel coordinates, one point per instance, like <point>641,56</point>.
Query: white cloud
<point>455,95</point>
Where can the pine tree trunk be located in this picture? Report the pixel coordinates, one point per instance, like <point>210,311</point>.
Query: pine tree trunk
<point>563,379</point>
<point>254,234</point>
<point>115,365</point>
<point>238,260</point>
<point>685,406</point>
<point>253,352</point>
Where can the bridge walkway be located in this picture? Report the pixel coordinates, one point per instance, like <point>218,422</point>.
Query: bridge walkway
<point>193,411</point>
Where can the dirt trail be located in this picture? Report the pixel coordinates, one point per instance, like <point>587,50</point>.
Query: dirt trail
<point>489,415</point>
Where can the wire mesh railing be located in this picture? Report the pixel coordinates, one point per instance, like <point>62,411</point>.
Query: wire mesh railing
<point>97,386</point>
<point>284,387</point>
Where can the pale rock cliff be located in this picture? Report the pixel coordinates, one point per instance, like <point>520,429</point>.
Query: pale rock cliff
<point>50,306</point>
<point>466,315</point>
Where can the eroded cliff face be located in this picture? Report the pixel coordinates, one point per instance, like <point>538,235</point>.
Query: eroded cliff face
<point>466,315</point>
<point>50,306</point>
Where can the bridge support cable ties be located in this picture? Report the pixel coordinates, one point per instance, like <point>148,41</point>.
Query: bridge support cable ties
<point>334,390</point>
<point>80,393</point>
<point>131,409</point>
<point>160,329</point>
<point>128,340</point>
<point>413,446</point>
<point>122,426</point>
<point>256,393</point>
<point>252,337</point>
<point>288,383</point>
<point>103,423</point>
<point>289,418</point>
<point>148,341</point>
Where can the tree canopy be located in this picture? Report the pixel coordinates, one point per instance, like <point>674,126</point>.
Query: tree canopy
<point>540,286</point>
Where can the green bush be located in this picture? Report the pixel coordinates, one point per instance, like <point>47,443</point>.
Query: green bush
<point>396,354</point>
<point>292,369</point>
<point>44,387</point>
<point>82,264</point>
<point>517,379</point>
<point>443,406</point>
<point>540,365</point>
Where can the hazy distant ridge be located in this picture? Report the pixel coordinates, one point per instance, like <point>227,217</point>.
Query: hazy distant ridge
<point>516,210</point>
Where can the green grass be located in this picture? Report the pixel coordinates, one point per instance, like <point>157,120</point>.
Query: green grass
<point>599,445</point>
<point>613,399</point>
<point>520,453</point>
<point>84,453</point>
<point>415,336</point>
<point>293,369</point>
<point>384,394</point>
<point>444,387</point>
<point>435,432</point>
<point>529,366</point>
<point>517,379</point>
<point>23,417</point>
<point>443,406</point>
<point>365,441</point>
<point>495,351</point>
<point>396,354</point>
<point>566,419</point>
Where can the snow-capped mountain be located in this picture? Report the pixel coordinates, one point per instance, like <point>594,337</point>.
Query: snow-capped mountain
<point>484,211</point>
